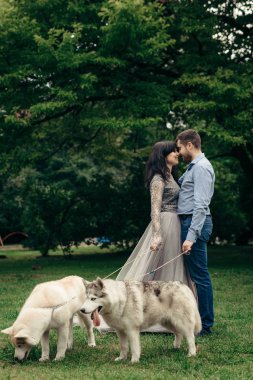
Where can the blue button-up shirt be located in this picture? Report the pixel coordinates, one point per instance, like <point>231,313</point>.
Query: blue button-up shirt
<point>197,187</point>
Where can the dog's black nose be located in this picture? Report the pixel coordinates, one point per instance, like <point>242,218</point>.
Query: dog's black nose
<point>17,359</point>
<point>83,311</point>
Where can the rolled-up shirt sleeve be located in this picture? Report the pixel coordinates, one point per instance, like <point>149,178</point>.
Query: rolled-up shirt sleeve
<point>203,191</point>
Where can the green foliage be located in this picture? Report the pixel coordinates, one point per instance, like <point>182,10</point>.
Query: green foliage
<point>133,33</point>
<point>228,198</point>
<point>69,78</point>
<point>86,91</point>
<point>213,94</point>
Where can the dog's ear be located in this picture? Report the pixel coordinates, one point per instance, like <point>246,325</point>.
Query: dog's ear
<point>99,283</point>
<point>86,283</point>
<point>21,335</point>
<point>7,331</point>
<point>31,341</point>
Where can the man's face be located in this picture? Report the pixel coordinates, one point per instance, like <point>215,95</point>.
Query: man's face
<point>184,151</point>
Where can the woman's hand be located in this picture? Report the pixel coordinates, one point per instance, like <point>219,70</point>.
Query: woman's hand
<point>155,243</point>
<point>154,248</point>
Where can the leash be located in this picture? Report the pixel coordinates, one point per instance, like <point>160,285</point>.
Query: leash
<point>153,271</point>
<point>167,262</point>
<point>127,263</point>
<point>56,306</point>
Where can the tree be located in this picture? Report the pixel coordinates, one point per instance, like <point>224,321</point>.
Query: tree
<point>85,92</point>
<point>213,93</point>
<point>71,80</point>
<point>66,75</point>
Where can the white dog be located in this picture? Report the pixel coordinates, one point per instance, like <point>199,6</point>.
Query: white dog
<point>51,305</point>
<point>131,306</point>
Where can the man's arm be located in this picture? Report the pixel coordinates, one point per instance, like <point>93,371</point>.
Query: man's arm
<point>203,190</point>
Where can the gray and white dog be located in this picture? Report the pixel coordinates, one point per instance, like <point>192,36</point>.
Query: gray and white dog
<point>131,306</point>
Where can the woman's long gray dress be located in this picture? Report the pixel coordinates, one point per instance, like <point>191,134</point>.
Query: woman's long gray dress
<point>164,230</point>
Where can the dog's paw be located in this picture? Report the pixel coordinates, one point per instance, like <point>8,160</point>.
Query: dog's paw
<point>120,358</point>
<point>93,344</point>
<point>191,354</point>
<point>59,358</point>
<point>135,360</point>
<point>177,341</point>
<point>43,359</point>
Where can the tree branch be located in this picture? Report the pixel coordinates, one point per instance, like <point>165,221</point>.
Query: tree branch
<point>61,145</point>
<point>59,114</point>
<point>77,108</point>
<point>221,155</point>
<point>200,46</point>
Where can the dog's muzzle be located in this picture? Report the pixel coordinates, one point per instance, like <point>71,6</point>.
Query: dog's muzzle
<point>83,311</point>
<point>23,359</point>
<point>87,312</point>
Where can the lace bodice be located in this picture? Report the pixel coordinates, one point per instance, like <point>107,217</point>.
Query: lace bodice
<point>164,197</point>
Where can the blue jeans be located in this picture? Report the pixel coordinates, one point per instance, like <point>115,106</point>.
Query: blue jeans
<point>196,263</point>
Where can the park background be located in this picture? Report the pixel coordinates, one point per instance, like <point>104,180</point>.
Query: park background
<point>86,89</point>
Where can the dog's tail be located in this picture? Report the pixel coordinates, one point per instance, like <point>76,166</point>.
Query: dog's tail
<point>198,324</point>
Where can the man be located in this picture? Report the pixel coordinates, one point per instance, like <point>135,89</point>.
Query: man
<point>197,186</point>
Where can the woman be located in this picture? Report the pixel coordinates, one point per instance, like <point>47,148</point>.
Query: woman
<point>161,240</point>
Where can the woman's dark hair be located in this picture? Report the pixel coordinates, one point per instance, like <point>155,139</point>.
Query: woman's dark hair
<point>156,163</point>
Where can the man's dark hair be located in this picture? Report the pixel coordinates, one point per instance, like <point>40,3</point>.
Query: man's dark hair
<point>189,136</point>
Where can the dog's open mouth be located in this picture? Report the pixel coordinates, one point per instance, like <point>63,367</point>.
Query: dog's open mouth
<point>95,316</point>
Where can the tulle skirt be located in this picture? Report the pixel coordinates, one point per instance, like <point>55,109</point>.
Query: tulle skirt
<point>143,261</point>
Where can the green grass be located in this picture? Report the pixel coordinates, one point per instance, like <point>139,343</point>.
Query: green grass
<point>226,355</point>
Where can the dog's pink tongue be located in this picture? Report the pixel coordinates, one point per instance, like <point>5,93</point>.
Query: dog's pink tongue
<point>96,318</point>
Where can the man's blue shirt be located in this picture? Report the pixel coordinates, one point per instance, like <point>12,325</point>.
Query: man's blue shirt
<point>197,187</point>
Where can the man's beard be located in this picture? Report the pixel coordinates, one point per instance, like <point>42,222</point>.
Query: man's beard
<point>187,158</point>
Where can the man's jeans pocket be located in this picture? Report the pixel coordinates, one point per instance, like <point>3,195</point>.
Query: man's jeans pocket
<point>185,223</point>
<point>207,229</point>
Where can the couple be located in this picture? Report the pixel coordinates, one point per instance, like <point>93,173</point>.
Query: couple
<point>180,222</point>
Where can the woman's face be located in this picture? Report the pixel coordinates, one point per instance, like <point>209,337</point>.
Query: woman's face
<point>172,158</point>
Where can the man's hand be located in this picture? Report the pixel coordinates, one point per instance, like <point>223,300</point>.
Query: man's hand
<point>187,245</point>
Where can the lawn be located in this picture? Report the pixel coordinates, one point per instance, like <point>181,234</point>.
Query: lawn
<point>226,355</point>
